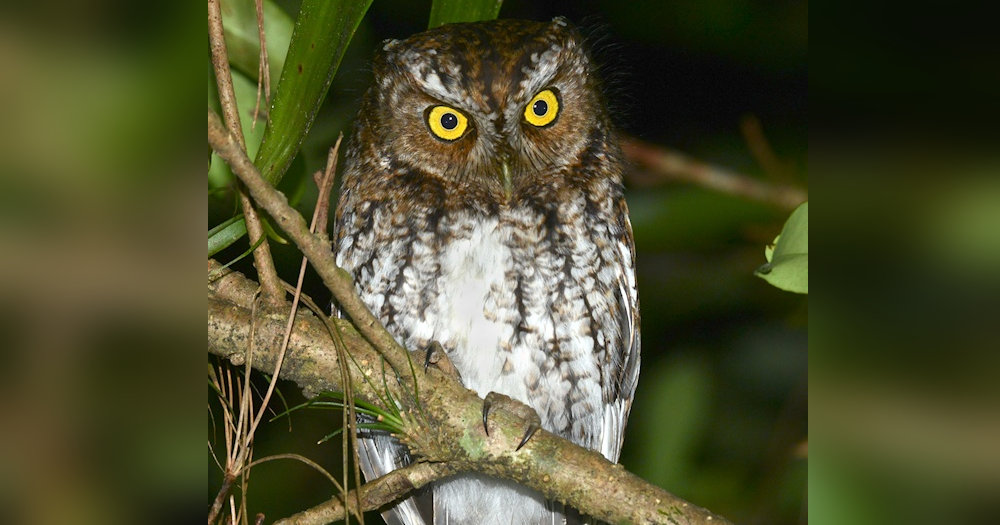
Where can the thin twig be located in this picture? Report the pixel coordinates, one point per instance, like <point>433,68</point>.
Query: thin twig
<point>234,463</point>
<point>283,348</point>
<point>223,77</point>
<point>372,495</point>
<point>302,459</point>
<point>227,99</point>
<point>325,185</point>
<point>281,354</point>
<point>320,206</point>
<point>230,316</point>
<point>263,67</point>
<point>675,165</point>
<point>220,498</point>
<point>228,396</point>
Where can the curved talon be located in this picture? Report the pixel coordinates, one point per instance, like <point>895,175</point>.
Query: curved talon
<point>486,411</point>
<point>434,346</point>
<point>530,431</point>
<point>427,359</point>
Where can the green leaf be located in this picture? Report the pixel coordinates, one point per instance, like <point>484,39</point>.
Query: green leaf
<point>271,232</point>
<point>322,31</point>
<point>449,11</point>
<point>788,256</point>
<point>225,234</point>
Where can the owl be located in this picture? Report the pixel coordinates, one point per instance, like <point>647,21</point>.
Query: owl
<point>482,208</point>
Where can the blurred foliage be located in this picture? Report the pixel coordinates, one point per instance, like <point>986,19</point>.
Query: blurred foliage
<point>720,411</point>
<point>101,189</point>
<point>904,397</point>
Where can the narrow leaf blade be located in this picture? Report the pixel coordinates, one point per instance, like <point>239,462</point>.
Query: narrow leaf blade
<point>450,11</point>
<point>322,31</point>
<point>225,234</point>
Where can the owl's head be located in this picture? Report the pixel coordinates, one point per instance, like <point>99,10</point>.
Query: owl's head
<point>482,114</point>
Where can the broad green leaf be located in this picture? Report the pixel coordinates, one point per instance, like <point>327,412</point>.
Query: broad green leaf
<point>322,31</point>
<point>449,11</point>
<point>788,257</point>
<point>239,19</point>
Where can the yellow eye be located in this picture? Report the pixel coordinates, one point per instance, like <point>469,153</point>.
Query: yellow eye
<point>447,123</point>
<point>543,109</point>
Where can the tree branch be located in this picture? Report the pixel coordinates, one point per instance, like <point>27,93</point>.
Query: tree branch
<point>670,164</point>
<point>554,466</point>
<point>443,419</point>
<point>312,360</point>
<point>374,494</point>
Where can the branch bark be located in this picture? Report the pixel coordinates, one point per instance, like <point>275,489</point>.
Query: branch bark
<point>373,495</point>
<point>443,419</point>
<point>312,360</point>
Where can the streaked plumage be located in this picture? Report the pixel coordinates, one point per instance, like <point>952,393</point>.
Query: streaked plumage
<point>509,245</point>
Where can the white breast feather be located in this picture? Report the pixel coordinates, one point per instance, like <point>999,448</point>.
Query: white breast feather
<point>470,267</point>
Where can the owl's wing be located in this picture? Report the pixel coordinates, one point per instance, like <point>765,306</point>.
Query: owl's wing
<point>622,367</point>
<point>380,454</point>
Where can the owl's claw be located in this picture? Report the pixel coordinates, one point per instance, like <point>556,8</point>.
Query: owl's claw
<point>530,431</point>
<point>487,404</point>
<point>519,408</point>
<point>435,355</point>
<point>432,348</point>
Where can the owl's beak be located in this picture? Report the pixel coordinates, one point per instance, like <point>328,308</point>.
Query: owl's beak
<point>505,179</point>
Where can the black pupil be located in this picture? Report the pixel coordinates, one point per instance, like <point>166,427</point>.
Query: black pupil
<point>540,107</point>
<point>449,121</point>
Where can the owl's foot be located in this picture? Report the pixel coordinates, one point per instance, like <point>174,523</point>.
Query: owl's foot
<point>494,399</point>
<point>435,355</point>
